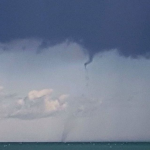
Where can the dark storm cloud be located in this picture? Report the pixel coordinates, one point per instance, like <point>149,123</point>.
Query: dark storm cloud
<point>97,25</point>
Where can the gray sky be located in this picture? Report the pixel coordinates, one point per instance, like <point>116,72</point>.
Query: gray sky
<point>46,94</point>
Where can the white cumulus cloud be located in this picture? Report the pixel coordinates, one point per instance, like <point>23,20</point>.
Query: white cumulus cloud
<point>37,94</point>
<point>37,104</point>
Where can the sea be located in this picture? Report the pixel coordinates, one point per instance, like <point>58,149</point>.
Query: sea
<point>75,146</point>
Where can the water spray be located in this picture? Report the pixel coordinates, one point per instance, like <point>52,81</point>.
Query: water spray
<point>68,127</point>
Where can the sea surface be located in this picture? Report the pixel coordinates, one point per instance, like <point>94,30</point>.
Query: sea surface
<point>76,146</point>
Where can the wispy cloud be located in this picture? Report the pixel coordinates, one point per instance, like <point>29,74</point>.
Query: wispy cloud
<point>1,88</point>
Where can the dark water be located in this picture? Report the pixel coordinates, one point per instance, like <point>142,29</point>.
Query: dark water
<point>76,146</point>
